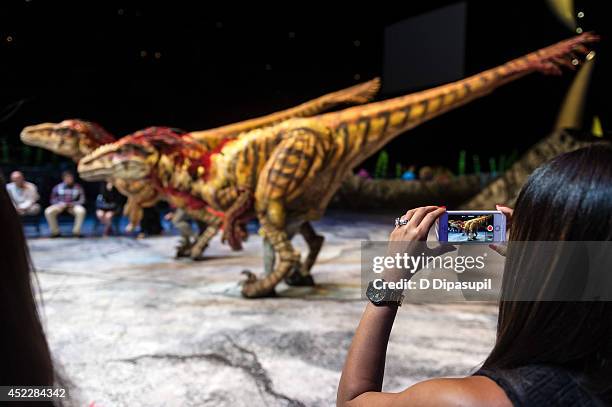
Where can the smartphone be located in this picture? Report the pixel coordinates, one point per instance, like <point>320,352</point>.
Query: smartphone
<point>471,227</point>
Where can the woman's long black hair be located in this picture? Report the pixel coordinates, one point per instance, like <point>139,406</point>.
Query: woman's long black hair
<point>25,358</point>
<point>566,199</point>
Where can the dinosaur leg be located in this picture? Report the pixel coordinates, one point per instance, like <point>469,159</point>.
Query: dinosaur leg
<point>287,259</point>
<point>180,220</point>
<point>203,240</point>
<point>302,276</point>
<point>213,223</point>
<point>296,161</point>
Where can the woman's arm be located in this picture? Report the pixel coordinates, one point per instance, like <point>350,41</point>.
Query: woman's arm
<point>365,364</point>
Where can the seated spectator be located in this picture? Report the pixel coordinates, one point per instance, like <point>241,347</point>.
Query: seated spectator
<point>67,196</point>
<point>108,204</point>
<point>23,194</point>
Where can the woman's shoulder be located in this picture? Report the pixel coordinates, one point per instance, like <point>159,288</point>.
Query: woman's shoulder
<point>469,391</point>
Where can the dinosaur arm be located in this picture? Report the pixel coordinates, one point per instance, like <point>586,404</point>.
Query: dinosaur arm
<point>134,206</point>
<point>242,203</point>
<point>139,195</point>
<point>133,211</point>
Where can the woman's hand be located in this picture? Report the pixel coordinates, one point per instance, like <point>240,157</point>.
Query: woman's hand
<point>508,212</point>
<point>420,220</point>
<point>501,248</point>
<point>410,238</point>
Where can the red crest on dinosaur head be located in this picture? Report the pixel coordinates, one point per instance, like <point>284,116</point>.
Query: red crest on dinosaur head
<point>165,139</point>
<point>171,141</point>
<point>97,134</point>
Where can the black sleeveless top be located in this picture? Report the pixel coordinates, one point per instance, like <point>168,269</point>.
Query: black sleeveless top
<point>540,385</point>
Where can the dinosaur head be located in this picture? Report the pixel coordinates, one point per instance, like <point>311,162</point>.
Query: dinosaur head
<point>70,138</point>
<point>133,157</point>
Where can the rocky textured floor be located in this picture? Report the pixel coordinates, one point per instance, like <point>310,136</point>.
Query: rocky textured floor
<point>134,327</point>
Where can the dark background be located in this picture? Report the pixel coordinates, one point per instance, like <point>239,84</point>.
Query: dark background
<point>129,65</point>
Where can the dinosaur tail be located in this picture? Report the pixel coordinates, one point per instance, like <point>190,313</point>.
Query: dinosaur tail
<point>373,125</point>
<point>357,94</point>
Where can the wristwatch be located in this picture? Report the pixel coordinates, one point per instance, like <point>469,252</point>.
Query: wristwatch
<point>384,296</point>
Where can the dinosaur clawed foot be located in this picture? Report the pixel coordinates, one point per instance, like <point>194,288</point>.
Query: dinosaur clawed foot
<point>250,276</point>
<point>251,289</point>
<point>182,252</point>
<point>183,249</point>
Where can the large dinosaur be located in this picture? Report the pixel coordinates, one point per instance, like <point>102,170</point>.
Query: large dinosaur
<point>504,190</point>
<point>286,174</point>
<point>75,138</point>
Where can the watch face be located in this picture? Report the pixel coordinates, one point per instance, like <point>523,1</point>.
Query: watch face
<point>374,295</point>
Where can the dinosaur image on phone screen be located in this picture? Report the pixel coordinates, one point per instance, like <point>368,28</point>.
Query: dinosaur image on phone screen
<point>470,228</point>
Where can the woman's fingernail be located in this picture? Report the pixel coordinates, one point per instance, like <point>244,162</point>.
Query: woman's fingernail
<point>442,207</point>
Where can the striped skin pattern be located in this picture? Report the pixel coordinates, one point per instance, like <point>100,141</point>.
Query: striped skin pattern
<point>505,189</point>
<point>286,174</point>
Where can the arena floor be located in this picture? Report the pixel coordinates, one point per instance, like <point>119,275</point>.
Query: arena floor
<point>134,327</point>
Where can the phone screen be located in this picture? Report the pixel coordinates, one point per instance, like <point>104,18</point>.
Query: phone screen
<point>471,226</point>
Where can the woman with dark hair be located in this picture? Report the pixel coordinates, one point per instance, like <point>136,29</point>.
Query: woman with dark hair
<point>25,359</point>
<point>547,353</point>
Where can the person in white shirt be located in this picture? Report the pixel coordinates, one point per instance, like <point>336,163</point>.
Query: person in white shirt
<point>23,194</point>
